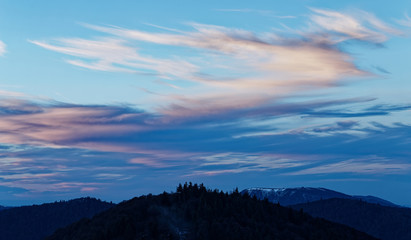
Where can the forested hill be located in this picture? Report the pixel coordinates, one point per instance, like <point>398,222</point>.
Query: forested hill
<point>38,221</point>
<point>194,212</point>
<point>387,223</point>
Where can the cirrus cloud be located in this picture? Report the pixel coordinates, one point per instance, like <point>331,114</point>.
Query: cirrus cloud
<point>2,48</point>
<point>358,25</point>
<point>54,147</point>
<point>231,69</point>
<point>232,102</point>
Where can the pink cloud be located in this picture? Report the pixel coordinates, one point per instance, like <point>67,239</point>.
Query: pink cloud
<point>231,69</point>
<point>88,189</point>
<point>55,125</point>
<point>358,25</point>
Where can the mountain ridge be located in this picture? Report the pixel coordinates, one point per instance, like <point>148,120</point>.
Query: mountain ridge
<point>298,195</point>
<point>383,222</point>
<point>194,212</point>
<point>3,207</point>
<point>37,221</point>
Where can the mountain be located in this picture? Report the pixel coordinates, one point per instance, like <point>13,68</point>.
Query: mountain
<point>292,196</point>
<point>194,212</point>
<point>386,223</point>
<point>3,208</point>
<point>38,221</point>
<point>376,200</point>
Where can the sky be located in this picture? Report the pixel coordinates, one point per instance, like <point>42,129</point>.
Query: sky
<point>115,99</point>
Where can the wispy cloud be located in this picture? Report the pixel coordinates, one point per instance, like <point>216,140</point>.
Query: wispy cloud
<point>382,70</point>
<point>108,54</point>
<point>275,67</point>
<point>406,21</point>
<point>113,127</point>
<point>372,165</point>
<point>2,48</point>
<point>37,169</point>
<point>232,69</point>
<point>237,162</point>
<point>9,94</point>
<point>359,25</point>
<point>376,110</point>
<point>339,126</point>
<point>67,149</point>
<point>39,187</point>
<point>61,124</point>
<point>232,102</point>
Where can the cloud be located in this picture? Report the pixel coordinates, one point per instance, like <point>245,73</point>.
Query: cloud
<point>62,124</point>
<point>281,58</point>
<point>372,165</point>
<point>40,187</point>
<point>108,54</point>
<point>376,110</point>
<point>37,169</point>
<point>359,25</point>
<point>2,48</point>
<point>339,126</point>
<point>54,147</point>
<point>35,175</point>
<point>9,94</point>
<point>231,101</point>
<point>237,162</point>
<point>382,70</point>
<point>230,69</point>
<point>406,21</point>
<point>116,128</point>
<point>275,69</point>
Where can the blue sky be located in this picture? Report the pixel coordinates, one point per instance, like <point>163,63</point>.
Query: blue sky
<point>117,99</point>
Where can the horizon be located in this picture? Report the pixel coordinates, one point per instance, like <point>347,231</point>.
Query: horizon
<point>171,192</point>
<point>118,99</point>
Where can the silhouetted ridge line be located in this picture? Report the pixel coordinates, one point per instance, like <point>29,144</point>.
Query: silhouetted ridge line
<point>38,221</point>
<point>386,223</point>
<point>292,196</point>
<point>194,212</point>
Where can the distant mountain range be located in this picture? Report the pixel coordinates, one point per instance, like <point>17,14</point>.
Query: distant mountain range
<point>38,221</point>
<point>194,212</point>
<point>383,222</point>
<point>292,196</point>
<point>375,216</point>
<point>3,207</point>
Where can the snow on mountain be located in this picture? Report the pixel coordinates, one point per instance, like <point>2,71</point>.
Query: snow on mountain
<point>292,196</point>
